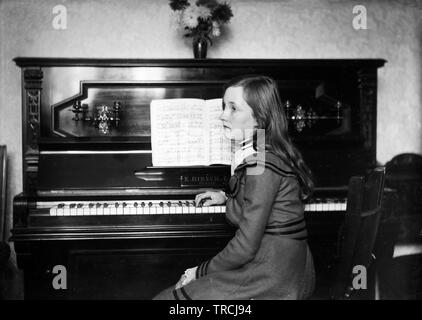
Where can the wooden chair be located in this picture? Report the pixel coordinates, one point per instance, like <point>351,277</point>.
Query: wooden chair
<point>400,272</point>
<point>358,235</point>
<point>4,247</point>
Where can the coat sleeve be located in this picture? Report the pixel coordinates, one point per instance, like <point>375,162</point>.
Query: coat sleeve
<point>259,194</point>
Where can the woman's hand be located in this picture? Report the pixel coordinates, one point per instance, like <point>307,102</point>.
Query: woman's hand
<point>210,198</point>
<point>187,277</point>
<point>179,283</point>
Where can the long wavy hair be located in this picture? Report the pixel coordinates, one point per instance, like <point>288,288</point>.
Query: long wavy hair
<point>262,95</point>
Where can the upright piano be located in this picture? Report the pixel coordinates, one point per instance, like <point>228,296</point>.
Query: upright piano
<point>96,220</point>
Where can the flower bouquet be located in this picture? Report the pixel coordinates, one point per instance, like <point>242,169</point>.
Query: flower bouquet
<point>201,20</point>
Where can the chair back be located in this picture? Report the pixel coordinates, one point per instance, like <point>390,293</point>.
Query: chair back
<point>359,231</point>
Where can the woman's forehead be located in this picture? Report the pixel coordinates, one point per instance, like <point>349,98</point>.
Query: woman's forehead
<point>234,94</point>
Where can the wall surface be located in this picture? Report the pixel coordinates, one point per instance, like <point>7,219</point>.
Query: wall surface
<point>273,29</point>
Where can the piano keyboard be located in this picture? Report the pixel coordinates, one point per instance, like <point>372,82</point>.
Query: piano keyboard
<point>86,208</point>
<point>326,205</point>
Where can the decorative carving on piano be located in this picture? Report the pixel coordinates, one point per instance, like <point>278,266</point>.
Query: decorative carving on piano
<point>20,210</point>
<point>33,78</point>
<point>33,97</point>
<point>302,117</point>
<point>102,117</point>
<point>33,85</point>
<point>367,84</point>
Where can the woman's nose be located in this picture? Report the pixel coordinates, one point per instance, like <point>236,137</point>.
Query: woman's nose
<point>223,116</point>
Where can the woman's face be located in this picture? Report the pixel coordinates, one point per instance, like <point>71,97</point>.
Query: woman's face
<point>237,116</point>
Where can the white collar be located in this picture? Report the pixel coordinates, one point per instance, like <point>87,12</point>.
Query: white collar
<point>244,150</point>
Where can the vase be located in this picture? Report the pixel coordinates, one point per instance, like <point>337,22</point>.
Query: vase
<point>200,46</point>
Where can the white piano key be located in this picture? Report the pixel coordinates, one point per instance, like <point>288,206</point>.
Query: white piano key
<point>106,210</point>
<point>80,210</point>
<point>98,210</point>
<point>86,211</point>
<point>66,211</point>
<point>60,210</point>
<point>53,211</point>
<point>72,210</point>
<point>132,210</point>
<point>152,210</point>
<point>120,210</point>
<point>143,209</point>
<point>136,209</point>
<point>183,209</point>
<point>127,208</point>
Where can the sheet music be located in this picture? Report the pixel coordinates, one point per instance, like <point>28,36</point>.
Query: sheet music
<point>219,145</point>
<point>178,137</point>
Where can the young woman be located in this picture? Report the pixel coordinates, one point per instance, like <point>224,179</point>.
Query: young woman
<point>268,257</point>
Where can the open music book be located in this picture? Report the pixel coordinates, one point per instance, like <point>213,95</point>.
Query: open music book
<point>188,132</point>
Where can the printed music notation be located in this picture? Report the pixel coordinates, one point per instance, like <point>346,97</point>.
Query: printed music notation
<point>188,132</point>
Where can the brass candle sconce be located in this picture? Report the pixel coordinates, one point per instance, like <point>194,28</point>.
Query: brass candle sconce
<point>102,117</point>
<point>302,118</point>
